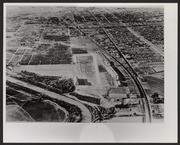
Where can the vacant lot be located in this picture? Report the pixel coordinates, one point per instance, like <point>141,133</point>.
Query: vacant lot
<point>51,70</point>
<point>43,111</point>
<point>83,42</point>
<point>15,59</point>
<point>8,57</point>
<point>156,84</point>
<point>15,113</point>
<point>85,68</point>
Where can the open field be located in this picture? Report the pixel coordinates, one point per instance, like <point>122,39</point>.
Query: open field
<point>87,68</point>
<point>83,42</point>
<point>106,78</point>
<point>50,70</point>
<point>156,85</point>
<point>8,57</point>
<point>25,59</point>
<point>15,59</point>
<point>46,111</point>
<point>17,114</point>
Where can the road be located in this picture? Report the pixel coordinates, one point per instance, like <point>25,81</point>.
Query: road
<point>56,106</point>
<point>154,48</point>
<point>134,76</point>
<point>112,41</point>
<point>12,56</point>
<point>85,112</point>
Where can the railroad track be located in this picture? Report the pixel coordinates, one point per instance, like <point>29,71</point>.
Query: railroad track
<point>133,75</point>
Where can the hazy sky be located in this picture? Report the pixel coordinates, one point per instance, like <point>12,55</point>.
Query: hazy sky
<point>16,9</point>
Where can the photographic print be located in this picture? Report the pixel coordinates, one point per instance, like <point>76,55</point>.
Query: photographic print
<point>84,64</point>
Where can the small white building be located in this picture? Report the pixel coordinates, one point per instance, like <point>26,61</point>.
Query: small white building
<point>131,101</point>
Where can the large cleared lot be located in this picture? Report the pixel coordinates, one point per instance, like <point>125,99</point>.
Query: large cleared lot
<point>84,66</point>
<point>51,70</point>
<point>87,67</point>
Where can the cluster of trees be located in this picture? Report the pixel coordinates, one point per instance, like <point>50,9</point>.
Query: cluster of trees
<point>10,91</point>
<point>94,112</point>
<point>18,87</point>
<point>53,20</point>
<point>75,113</point>
<point>42,20</point>
<point>79,51</point>
<point>107,113</point>
<point>42,47</point>
<point>55,84</point>
<point>74,31</point>
<point>78,18</point>
<point>157,99</point>
<point>100,17</point>
<point>56,37</point>
<point>25,60</point>
<point>59,54</point>
<point>101,113</point>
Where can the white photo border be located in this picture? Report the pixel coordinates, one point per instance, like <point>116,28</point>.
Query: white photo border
<point>106,132</point>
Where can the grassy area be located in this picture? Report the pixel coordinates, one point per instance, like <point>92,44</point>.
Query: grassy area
<point>156,85</point>
<point>42,111</point>
<point>15,113</point>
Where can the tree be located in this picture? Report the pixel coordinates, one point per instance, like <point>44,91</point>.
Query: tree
<point>155,95</point>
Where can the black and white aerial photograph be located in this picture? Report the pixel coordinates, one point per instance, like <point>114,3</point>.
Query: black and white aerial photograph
<point>84,64</point>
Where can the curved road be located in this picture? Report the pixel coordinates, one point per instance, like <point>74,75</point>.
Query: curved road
<point>85,112</point>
